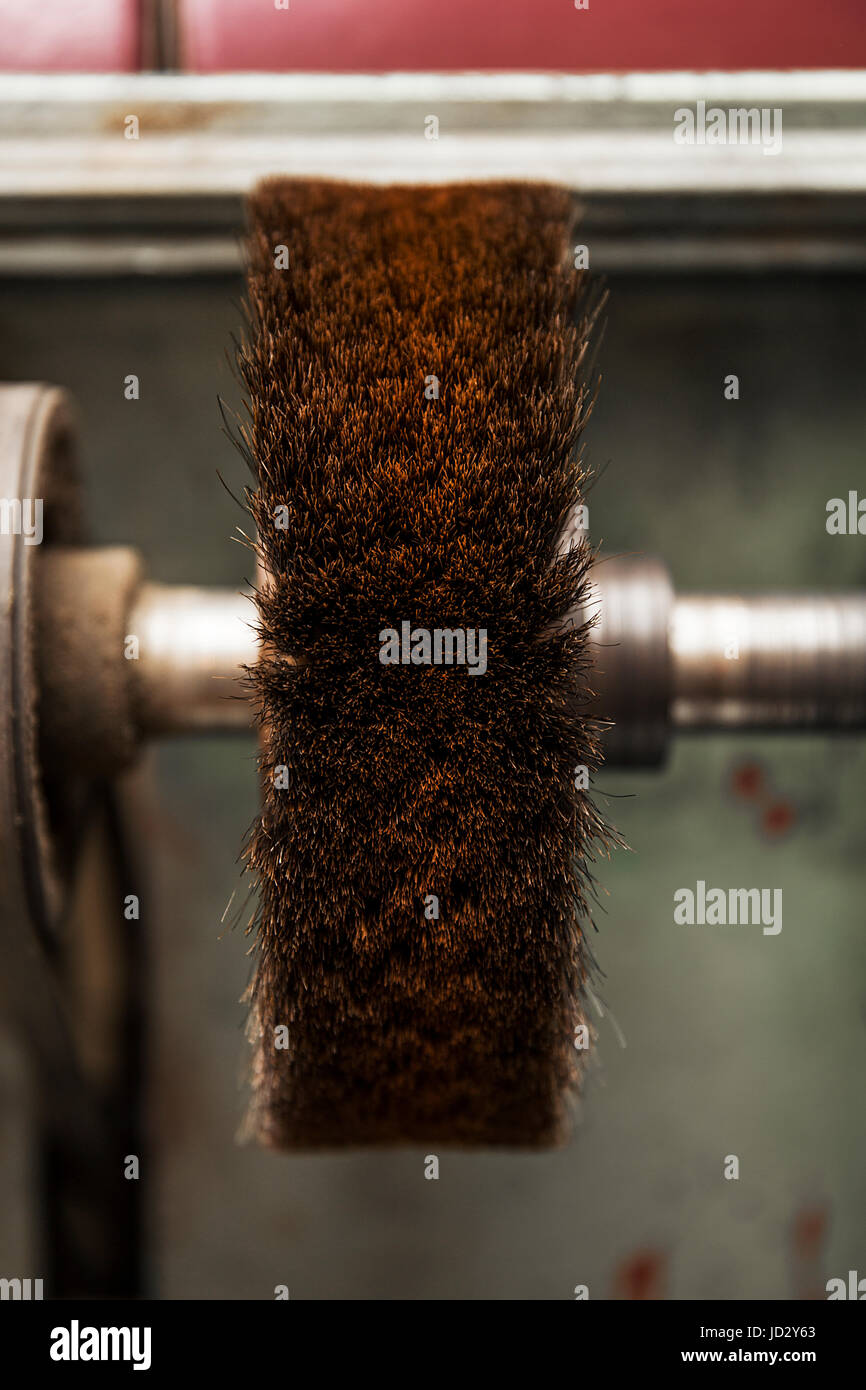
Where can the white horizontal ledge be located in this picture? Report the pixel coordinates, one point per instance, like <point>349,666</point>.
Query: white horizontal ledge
<point>258,92</point>
<point>64,135</point>
<point>612,162</point>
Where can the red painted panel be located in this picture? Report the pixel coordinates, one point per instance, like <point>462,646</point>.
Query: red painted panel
<point>70,35</point>
<point>500,35</point>
<point>441,35</point>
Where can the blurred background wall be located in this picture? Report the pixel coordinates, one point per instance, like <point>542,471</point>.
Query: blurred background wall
<point>734,1042</point>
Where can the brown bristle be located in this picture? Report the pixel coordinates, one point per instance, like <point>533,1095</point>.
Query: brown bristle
<point>374,1021</point>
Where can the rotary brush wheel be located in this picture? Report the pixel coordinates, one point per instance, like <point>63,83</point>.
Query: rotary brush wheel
<point>415,371</point>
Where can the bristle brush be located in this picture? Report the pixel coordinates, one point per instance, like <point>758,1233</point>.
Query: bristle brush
<point>414,366</point>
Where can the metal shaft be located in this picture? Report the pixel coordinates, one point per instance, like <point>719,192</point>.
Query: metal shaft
<point>780,661</point>
<point>193,646</point>
<point>666,662</point>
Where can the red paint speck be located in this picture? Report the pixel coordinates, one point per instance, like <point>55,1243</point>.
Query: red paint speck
<point>810,1228</point>
<point>778,818</point>
<point>747,781</point>
<point>641,1276</point>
